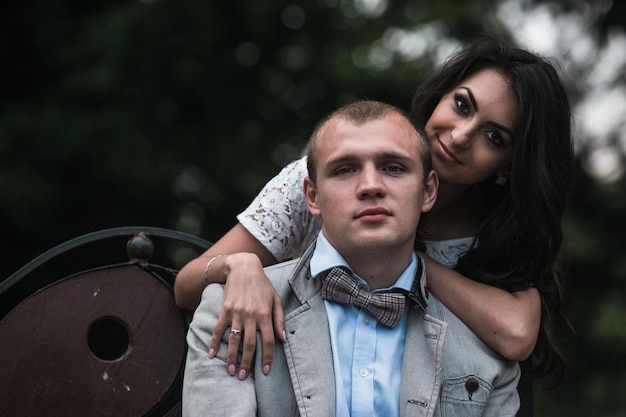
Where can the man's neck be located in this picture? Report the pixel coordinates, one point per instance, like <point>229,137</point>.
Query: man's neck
<point>379,269</point>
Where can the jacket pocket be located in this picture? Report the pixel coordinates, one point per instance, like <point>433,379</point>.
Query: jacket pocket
<point>464,396</point>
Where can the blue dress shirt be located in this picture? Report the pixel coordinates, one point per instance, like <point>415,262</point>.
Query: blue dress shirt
<point>367,357</point>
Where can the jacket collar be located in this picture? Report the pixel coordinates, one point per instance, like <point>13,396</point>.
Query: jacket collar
<point>418,293</point>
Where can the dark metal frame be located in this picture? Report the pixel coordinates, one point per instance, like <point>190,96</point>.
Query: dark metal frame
<point>98,236</point>
<point>139,249</point>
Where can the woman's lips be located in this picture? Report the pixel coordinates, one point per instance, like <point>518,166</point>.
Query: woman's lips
<point>446,153</point>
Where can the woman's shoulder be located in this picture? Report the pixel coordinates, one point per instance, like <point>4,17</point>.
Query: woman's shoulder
<point>278,216</point>
<point>295,169</point>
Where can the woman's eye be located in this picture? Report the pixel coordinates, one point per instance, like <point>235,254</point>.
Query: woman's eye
<point>495,138</point>
<point>461,104</point>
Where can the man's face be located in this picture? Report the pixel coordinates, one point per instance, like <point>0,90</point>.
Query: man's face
<point>370,188</point>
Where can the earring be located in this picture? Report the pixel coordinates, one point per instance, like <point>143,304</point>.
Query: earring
<point>501,180</point>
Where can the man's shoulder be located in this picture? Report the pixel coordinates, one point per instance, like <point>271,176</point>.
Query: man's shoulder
<point>460,339</point>
<point>459,335</point>
<point>280,273</point>
<point>439,311</point>
<point>282,268</point>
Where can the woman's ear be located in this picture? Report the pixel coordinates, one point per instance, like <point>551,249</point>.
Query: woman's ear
<point>431,186</point>
<point>502,177</point>
<point>310,194</point>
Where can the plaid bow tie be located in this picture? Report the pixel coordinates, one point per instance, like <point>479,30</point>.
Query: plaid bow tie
<point>340,287</point>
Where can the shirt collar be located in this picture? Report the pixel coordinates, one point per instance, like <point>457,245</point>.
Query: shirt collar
<point>325,257</point>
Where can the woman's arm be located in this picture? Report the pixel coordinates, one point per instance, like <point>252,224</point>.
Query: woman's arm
<point>277,222</point>
<point>276,225</point>
<point>250,301</point>
<point>506,322</point>
<point>190,281</point>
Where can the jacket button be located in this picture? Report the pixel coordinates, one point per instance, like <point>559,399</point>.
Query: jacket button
<point>471,385</point>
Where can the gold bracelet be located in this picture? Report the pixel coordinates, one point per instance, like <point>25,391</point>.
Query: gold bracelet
<point>206,269</point>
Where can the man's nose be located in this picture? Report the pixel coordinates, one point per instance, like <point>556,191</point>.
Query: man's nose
<point>371,183</point>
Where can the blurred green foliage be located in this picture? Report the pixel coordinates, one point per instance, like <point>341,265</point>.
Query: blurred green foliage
<point>175,113</point>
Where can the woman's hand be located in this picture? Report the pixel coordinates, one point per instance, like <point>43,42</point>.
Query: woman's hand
<point>250,301</point>
<point>250,304</point>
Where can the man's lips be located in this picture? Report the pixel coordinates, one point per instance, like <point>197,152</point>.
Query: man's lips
<point>446,152</point>
<point>376,213</point>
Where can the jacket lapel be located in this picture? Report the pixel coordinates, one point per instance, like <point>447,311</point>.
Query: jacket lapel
<point>308,349</point>
<point>421,366</point>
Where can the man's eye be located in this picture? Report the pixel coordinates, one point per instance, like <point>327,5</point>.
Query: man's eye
<point>343,171</point>
<point>394,169</point>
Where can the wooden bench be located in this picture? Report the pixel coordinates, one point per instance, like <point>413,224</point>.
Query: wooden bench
<point>105,341</point>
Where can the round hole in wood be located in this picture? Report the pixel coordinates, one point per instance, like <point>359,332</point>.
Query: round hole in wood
<point>108,338</point>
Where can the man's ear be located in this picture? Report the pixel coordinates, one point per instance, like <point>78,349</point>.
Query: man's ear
<point>431,185</point>
<point>310,194</point>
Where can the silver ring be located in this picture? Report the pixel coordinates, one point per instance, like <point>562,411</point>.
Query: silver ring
<point>233,331</point>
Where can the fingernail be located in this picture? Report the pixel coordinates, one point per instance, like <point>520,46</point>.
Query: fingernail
<point>242,374</point>
<point>284,335</point>
<point>266,369</point>
<point>211,353</point>
<point>231,370</point>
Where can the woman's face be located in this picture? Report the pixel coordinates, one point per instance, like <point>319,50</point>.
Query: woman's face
<point>471,129</point>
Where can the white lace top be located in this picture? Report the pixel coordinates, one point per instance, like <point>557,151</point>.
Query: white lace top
<point>279,219</point>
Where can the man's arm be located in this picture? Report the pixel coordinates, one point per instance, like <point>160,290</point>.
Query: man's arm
<point>207,387</point>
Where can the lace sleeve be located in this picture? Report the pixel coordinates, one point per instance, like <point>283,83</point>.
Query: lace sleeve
<point>278,216</point>
<point>448,252</point>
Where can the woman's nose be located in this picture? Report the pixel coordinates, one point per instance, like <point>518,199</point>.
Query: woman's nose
<point>462,135</point>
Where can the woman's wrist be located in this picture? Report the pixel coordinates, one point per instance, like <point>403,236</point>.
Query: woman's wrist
<point>205,274</point>
<point>218,268</point>
<point>247,265</point>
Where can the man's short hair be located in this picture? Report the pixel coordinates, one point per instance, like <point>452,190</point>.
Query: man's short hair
<point>359,113</point>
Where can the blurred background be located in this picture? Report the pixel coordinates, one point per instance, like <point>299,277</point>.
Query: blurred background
<point>175,113</point>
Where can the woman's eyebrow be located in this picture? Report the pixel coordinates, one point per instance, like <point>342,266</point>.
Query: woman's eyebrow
<point>475,104</point>
<point>471,97</point>
<point>499,126</point>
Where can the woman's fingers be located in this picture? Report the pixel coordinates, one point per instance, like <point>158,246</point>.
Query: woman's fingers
<point>234,341</point>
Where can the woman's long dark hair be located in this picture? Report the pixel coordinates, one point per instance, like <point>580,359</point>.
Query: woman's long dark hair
<point>520,238</point>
